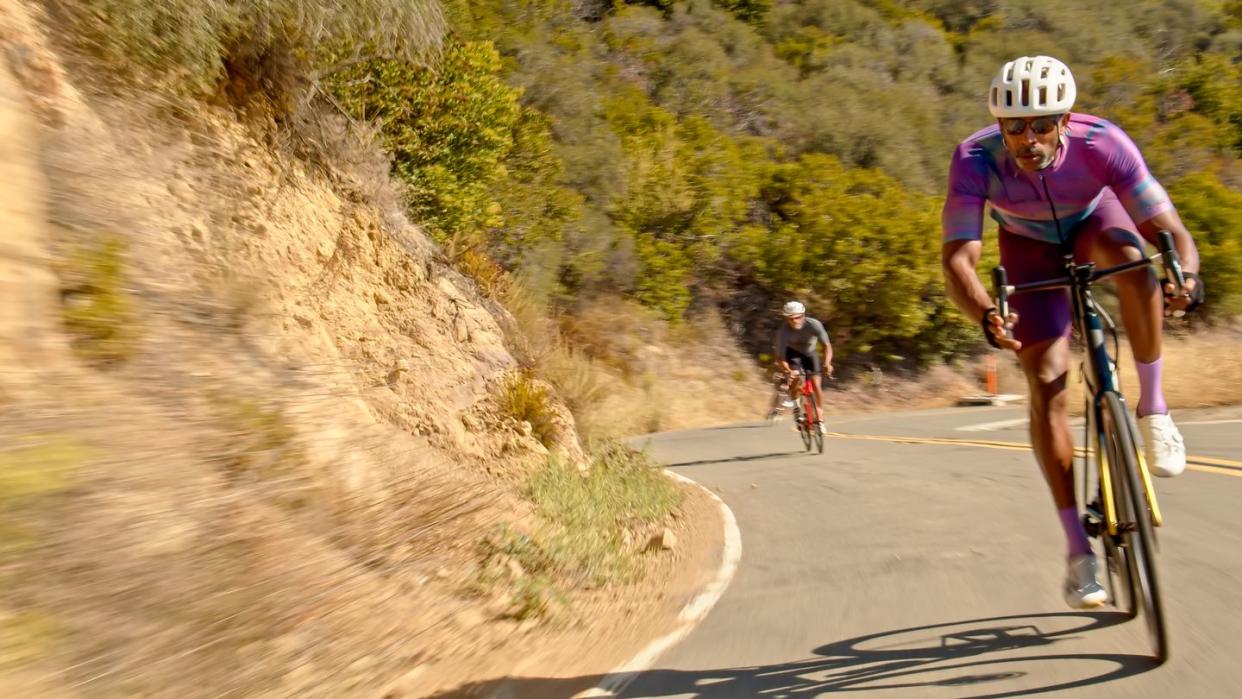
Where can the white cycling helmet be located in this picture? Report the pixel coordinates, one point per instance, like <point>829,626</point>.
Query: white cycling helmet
<point>793,308</point>
<point>1032,86</point>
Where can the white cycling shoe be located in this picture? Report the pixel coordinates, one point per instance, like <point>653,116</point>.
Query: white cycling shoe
<point>1082,588</point>
<point>1162,445</point>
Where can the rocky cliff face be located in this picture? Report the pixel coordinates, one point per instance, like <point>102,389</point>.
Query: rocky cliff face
<point>252,412</point>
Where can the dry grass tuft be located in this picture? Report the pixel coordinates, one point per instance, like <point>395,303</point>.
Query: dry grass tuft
<point>525,400</point>
<point>246,47</point>
<point>97,308</point>
<point>646,376</point>
<point>939,386</point>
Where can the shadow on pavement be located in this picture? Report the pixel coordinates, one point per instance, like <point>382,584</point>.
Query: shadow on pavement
<point>731,459</point>
<point>980,658</point>
<point>765,425</point>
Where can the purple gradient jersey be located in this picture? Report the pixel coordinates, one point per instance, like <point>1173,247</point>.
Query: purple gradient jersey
<point>1096,155</point>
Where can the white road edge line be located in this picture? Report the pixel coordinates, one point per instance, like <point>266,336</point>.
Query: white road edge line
<point>998,425</point>
<point>693,613</point>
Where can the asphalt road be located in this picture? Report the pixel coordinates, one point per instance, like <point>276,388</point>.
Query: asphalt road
<point>896,567</point>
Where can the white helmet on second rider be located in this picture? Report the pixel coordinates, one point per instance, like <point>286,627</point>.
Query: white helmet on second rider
<point>793,308</point>
<point>1032,86</point>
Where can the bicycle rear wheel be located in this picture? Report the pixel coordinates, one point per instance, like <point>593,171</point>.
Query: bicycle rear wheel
<point>1138,538</point>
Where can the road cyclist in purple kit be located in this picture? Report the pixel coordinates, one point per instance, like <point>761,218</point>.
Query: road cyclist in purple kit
<point>1058,181</point>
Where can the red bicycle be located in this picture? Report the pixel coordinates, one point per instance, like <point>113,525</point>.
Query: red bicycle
<point>806,412</point>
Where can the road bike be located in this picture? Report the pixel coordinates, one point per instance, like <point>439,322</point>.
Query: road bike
<point>1123,512</point>
<point>806,412</point>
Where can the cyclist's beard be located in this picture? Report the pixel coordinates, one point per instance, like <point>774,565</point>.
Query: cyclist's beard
<point>1046,157</point>
<point>1028,155</point>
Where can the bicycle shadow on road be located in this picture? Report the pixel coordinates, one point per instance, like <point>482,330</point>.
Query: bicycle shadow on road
<point>732,459</point>
<point>982,658</point>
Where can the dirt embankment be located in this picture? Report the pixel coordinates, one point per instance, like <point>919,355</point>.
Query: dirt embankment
<point>252,441</point>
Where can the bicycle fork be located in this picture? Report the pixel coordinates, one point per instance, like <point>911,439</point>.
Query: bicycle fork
<point>1103,369</point>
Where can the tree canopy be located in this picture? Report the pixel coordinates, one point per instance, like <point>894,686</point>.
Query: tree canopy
<point>738,152</point>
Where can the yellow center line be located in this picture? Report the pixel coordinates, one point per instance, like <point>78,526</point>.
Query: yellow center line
<point>1206,464</point>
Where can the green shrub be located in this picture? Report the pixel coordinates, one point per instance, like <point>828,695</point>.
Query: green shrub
<point>623,490</point>
<point>449,128</point>
<point>752,11</point>
<point>582,540</point>
<point>33,467</point>
<point>1212,212</point>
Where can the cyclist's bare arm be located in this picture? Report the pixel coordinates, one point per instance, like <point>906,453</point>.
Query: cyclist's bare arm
<point>959,258</point>
<point>1182,240</point>
<point>828,359</point>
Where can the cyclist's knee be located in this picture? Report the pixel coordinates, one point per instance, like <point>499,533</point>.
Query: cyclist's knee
<point>1049,399</point>
<point>1046,366</point>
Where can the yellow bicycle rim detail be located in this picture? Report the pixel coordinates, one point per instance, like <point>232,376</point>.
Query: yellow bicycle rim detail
<point>1156,519</point>
<point>1106,489</point>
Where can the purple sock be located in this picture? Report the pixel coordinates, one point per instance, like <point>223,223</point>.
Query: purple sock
<point>1075,535</point>
<point>1151,397</point>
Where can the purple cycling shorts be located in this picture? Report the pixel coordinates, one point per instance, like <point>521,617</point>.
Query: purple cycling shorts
<point>1045,315</point>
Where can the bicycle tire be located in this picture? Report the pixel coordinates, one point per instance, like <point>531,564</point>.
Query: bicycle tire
<point>1120,581</point>
<point>804,422</point>
<point>816,434</point>
<point>1137,534</point>
<point>1117,565</point>
<point>805,426</point>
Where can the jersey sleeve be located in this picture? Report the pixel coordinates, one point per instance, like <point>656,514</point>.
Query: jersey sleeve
<point>962,216</point>
<point>1127,175</point>
<point>822,333</point>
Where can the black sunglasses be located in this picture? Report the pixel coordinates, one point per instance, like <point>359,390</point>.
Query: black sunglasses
<point>1040,125</point>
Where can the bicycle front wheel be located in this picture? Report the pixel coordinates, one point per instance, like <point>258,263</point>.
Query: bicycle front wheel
<point>817,434</point>
<point>804,420</point>
<point>1138,538</point>
<point>1120,580</point>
